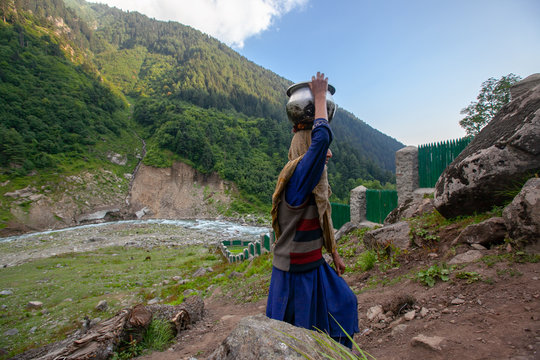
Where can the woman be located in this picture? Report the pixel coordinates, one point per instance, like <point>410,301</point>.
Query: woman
<point>304,290</point>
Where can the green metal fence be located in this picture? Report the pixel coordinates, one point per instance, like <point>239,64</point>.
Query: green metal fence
<point>379,203</point>
<point>434,158</point>
<point>341,214</point>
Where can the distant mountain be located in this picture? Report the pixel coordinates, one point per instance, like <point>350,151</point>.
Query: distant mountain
<point>67,71</point>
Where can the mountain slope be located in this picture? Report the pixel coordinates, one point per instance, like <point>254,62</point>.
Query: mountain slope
<point>194,99</point>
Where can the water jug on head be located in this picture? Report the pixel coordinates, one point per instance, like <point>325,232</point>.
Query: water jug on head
<point>300,107</point>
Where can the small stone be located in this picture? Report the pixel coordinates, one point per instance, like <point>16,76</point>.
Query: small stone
<point>6,292</point>
<point>235,274</point>
<point>478,247</point>
<point>409,315</point>
<point>11,332</point>
<point>199,272</point>
<point>165,282</point>
<point>34,305</point>
<point>33,330</point>
<point>433,255</point>
<point>374,312</point>
<point>176,278</point>
<point>431,342</point>
<point>68,300</point>
<point>446,311</point>
<point>424,312</point>
<point>399,329</point>
<point>457,301</point>
<point>102,306</point>
<point>153,301</point>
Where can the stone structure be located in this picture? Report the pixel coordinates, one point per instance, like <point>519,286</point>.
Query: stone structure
<point>358,205</point>
<point>406,172</point>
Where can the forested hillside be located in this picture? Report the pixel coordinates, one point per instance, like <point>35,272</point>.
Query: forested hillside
<point>67,70</point>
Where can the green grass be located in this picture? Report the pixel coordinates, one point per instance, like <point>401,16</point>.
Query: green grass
<point>71,285</point>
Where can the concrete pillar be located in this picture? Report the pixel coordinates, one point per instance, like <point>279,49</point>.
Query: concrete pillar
<point>358,205</point>
<point>406,172</point>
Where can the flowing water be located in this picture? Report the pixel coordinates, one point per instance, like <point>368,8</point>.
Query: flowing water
<point>225,230</point>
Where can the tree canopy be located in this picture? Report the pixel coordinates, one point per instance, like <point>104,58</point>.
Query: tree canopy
<point>494,94</point>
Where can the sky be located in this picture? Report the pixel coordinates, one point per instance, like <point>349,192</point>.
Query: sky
<point>405,67</point>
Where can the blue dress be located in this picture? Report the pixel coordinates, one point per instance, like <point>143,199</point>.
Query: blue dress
<point>307,299</point>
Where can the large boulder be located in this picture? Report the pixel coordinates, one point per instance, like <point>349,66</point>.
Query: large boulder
<point>258,337</point>
<point>522,215</point>
<point>505,151</point>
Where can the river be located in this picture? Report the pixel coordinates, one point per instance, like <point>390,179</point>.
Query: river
<point>15,250</point>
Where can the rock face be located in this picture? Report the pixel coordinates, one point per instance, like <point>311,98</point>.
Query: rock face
<point>258,337</point>
<point>177,192</point>
<point>505,151</point>
<point>522,215</point>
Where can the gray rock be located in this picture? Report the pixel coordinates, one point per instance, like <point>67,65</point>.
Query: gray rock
<point>399,328</point>
<point>410,207</point>
<point>457,301</point>
<point>235,274</point>
<point>6,292</point>
<point>34,305</point>
<point>395,234</point>
<point>345,229</point>
<point>467,257</point>
<point>11,332</point>
<point>430,342</point>
<point>522,215</point>
<point>488,232</point>
<point>102,306</point>
<point>261,338</point>
<point>154,301</point>
<point>505,151</point>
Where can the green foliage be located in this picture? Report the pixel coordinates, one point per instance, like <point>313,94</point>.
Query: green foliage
<point>49,106</point>
<point>469,276</point>
<point>429,276</point>
<point>158,335</point>
<point>366,260</point>
<point>494,94</point>
<point>196,99</point>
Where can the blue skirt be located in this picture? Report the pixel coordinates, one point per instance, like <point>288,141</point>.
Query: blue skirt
<point>306,299</point>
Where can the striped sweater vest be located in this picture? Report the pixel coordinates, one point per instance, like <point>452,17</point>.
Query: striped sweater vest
<point>299,245</point>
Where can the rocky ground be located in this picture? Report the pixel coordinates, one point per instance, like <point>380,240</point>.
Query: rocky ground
<point>496,317</point>
<point>490,313</point>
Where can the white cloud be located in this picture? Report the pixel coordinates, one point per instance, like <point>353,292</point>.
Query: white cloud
<point>231,21</point>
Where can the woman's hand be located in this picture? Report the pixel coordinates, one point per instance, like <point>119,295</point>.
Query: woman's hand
<point>319,86</point>
<point>338,263</point>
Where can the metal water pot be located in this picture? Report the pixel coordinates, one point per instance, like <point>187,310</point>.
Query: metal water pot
<point>300,107</point>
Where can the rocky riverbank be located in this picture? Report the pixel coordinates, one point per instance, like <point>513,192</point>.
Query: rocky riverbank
<point>146,234</point>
